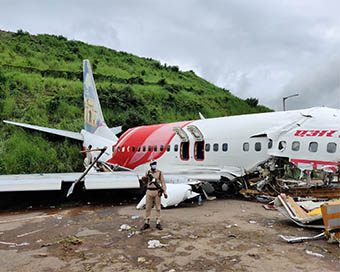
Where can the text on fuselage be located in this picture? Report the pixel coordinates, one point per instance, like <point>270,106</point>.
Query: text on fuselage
<point>315,133</point>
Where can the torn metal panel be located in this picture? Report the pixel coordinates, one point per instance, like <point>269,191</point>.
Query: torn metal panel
<point>288,207</point>
<point>177,193</point>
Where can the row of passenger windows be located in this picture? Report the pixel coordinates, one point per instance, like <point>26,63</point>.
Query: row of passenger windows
<point>312,147</point>
<point>154,148</point>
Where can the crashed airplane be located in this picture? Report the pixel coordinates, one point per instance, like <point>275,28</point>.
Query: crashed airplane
<point>223,154</point>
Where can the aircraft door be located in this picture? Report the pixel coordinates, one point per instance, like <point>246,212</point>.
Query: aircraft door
<point>184,146</point>
<point>199,142</point>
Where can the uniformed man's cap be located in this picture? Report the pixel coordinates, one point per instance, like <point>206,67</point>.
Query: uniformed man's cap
<point>153,162</point>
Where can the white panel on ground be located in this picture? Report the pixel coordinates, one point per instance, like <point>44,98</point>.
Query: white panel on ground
<point>177,193</point>
<point>122,180</point>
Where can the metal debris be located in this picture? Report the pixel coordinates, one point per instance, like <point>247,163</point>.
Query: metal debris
<point>314,253</point>
<point>124,227</point>
<point>292,239</point>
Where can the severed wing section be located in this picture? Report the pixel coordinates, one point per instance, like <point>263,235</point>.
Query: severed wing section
<point>65,133</point>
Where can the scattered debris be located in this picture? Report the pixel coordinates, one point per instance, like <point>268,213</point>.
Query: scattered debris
<point>134,233</point>
<point>135,217</point>
<point>292,239</point>
<point>28,233</point>
<point>252,221</point>
<point>314,253</point>
<point>232,236</point>
<point>141,259</point>
<point>59,217</point>
<point>39,241</point>
<point>124,227</point>
<point>155,244</point>
<point>167,236</point>
<point>268,207</point>
<point>228,226</point>
<point>193,236</point>
<point>14,244</point>
<point>43,255</point>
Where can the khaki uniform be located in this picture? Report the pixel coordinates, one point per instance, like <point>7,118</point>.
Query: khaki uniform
<point>152,195</point>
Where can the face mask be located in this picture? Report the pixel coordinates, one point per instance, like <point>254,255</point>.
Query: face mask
<point>153,167</point>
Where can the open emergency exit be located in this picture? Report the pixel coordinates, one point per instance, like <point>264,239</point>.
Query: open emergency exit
<point>185,143</point>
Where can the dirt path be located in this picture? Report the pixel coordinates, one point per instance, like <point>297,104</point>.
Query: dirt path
<point>221,235</point>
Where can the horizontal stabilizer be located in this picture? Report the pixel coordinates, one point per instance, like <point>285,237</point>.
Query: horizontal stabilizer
<point>65,133</point>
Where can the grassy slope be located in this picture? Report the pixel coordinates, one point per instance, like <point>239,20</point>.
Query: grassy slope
<point>40,83</point>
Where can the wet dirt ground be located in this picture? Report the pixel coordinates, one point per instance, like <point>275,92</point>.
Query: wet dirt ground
<point>220,235</point>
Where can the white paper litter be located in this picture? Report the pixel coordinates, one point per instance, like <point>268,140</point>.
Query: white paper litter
<point>155,244</point>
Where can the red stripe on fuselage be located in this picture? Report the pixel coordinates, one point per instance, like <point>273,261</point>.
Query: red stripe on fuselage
<point>161,134</point>
<point>315,163</point>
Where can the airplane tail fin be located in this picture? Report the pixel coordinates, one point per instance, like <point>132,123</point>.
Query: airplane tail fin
<point>93,116</point>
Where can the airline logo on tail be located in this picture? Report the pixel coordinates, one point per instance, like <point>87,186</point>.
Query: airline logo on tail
<point>92,111</point>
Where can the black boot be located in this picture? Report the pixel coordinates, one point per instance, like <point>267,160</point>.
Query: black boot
<point>158,226</point>
<point>145,226</point>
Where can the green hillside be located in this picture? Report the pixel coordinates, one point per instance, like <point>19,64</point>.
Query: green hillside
<point>41,83</point>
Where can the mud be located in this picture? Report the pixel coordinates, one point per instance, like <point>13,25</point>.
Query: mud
<point>220,235</point>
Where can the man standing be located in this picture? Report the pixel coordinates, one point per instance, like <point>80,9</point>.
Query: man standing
<point>154,189</point>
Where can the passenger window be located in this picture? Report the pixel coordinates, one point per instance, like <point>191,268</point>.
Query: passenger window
<point>225,147</point>
<point>331,147</point>
<point>168,148</point>
<point>149,148</point>
<point>246,147</point>
<point>113,149</point>
<point>270,144</point>
<point>155,148</point>
<point>118,148</point>
<point>161,149</point>
<point>257,146</point>
<point>185,150</point>
<point>123,148</point>
<point>138,148</point>
<point>176,148</point>
<point>128,149</point>
<point>215,147</point>
<point>199,151</point>
<point>207,147</point>
<point>144,148</point>
<point>282,145</point>
<point>313,147</point>
<point>295,146</point>
<point>133,149</point>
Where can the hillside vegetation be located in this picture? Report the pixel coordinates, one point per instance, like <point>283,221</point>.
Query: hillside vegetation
<point>41,84</point>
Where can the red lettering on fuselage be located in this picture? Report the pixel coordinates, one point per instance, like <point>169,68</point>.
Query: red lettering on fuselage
<point>315,133</point>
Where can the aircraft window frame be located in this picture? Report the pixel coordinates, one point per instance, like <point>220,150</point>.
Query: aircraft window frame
<point>155,148</point>
<point>201,151</point>
<point>270,143</point>
<point>282,145</point>
<point>150,148</point>
<point>313,147</point>
<point>246,146</point>
<point>207,147</point>
<point>138,148</point>
<point>133,148</point>
<point>144,148</point>
<point>225,147</point>
<point>295,146</point>
<point>329,150</point>
<point>258,146</point>
<point>176,147</point>
<point>161,148</point>
<point>215,147</point>
<point>168,148</point>
<point>185,147</point>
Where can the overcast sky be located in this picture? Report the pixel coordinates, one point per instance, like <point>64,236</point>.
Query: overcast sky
<point>256,48</point>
